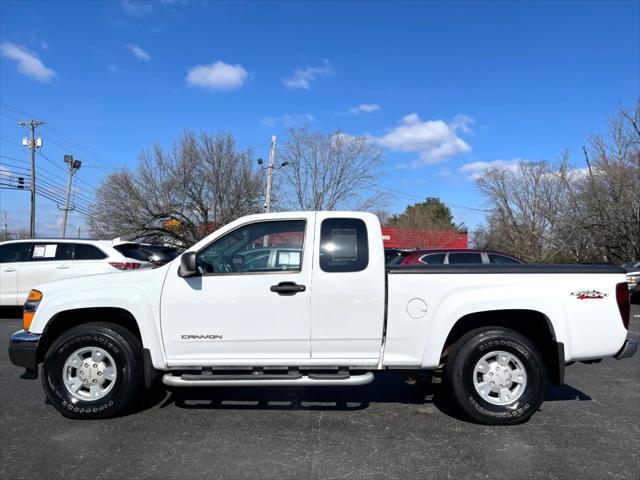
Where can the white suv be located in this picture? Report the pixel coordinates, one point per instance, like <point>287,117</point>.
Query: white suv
<point>27,263</point>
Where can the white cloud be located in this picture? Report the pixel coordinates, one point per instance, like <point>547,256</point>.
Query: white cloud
<point>365,108</point>
<point>461,122</point>
<point>474,170</point>
<point>4,172</point>
<point>136,8</point>
<point>138,52</point>
<point>217,76</point>
<point>44,45</point>
<point>28,63</point>
<point>434,140</point>
<point>302,77</point>
<point>287,120</point>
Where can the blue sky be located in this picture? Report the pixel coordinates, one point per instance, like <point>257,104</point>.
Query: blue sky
<point>441,86</point>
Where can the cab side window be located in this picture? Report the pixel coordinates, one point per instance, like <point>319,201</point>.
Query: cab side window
<point>344,245</point>
<point>262,247</point>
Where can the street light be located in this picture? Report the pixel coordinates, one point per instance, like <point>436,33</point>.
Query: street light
<point>270,169</point>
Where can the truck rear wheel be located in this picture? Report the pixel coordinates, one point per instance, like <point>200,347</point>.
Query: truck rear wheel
<point>93,371</point>
<point>496,376</point>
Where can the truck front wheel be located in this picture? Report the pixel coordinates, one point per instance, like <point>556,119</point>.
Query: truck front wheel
<point>496,376</point>
<point>94,370</point>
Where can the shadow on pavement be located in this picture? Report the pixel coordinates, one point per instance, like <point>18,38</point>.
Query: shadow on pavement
<point>564,393</point>
<point>387,388</point>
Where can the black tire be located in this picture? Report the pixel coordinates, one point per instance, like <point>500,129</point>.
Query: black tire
<point>459,376</point>
<point>126,351</point>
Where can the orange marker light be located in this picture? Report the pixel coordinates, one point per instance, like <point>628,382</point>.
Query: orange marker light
<point>27,318</point>
<point>30,308</point>
<point>34,296</point>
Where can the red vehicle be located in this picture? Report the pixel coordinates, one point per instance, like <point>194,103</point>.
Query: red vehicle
<point>455,256</point>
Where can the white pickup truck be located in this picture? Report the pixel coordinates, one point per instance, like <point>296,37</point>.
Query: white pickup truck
<point>303,299</point>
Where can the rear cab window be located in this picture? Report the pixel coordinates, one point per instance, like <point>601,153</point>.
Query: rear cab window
<point>344,245</point>
<point>14,252</point>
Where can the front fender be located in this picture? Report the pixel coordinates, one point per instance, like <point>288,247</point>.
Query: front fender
<point>134,299</point>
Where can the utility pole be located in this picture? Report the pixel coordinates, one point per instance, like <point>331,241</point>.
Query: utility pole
<point>32,143</point>
<point>271,169</point>
<point>272,155</point>
<point>73,166</point>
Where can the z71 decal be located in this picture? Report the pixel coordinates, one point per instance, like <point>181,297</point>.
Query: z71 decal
<point>589,295</point>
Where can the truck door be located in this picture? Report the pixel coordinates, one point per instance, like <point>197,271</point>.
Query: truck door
<point>250,301</point>
<point>347,306</point>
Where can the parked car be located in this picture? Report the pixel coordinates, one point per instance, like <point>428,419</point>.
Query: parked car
<point>157,255</point>
<point>334,316</point>
<point>458,256</point>
<point>633,279</point>
<point>26,263</point>
<point>394,256</point>
<point>160,255</point>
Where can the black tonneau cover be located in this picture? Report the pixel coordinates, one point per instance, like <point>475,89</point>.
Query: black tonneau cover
<point>497,268</point>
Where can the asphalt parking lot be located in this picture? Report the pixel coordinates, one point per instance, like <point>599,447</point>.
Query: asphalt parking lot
<point>589,428</point>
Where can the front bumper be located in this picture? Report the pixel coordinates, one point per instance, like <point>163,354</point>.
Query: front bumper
<point>629,348</point>
<point>23,349</point>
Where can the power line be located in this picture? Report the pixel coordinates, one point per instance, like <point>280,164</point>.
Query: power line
<point>415,197</point>
<point>58,177</point>
<point>87,202</point>
<point>62,169</point>
<point>56,190</point>
<point>65,138</point>
<point>24,171</point>
<point>52,198</point>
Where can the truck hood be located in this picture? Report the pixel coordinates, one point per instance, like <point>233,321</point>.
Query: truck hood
<point>102,282</point>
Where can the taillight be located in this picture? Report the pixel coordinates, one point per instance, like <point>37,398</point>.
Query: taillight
<point>127,265</point>
<point>624,303</point>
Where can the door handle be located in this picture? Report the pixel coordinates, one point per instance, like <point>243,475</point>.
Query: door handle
<point>63,267</point>
<point>287,288</point>
<point>10,269</point>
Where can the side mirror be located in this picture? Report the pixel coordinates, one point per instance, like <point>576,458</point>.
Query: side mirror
<point>188,267</point>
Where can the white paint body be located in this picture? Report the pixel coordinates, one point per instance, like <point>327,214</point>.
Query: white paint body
<point>339,319</point>
<point>17,278</point>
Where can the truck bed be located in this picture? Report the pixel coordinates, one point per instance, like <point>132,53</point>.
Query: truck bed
<point>516,268</point>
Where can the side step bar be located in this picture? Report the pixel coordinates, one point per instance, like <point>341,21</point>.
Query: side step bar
<point>286,380</point>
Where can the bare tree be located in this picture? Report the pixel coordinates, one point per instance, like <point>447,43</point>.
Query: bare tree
<point>544,212</point>
<point>180,195</point>
<point>610,192</point>
<point>527,203</point>
<point>330,171</point>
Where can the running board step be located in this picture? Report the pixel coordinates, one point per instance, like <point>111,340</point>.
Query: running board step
<point>266,380</point>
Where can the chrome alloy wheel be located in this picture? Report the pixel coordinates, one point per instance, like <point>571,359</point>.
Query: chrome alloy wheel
<point>500,378</point>
<point>89,373</point>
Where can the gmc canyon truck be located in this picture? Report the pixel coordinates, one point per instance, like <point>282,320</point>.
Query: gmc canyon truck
<point>304,299</point>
